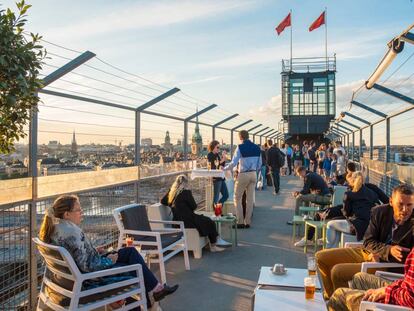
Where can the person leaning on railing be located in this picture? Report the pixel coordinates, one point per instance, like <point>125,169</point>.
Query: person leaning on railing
<point>369,287</point>
<point>388,239</point>
<point>60,227</point>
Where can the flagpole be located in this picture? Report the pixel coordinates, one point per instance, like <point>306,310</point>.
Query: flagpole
<point>326,38</point>
<point>291,26</point>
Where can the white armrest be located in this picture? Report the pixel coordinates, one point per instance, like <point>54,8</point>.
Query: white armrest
<point>353,244</point>
<point>111,271</point>
<point>372,306</point>
<point>378,265</point>
<point>170,222</point>
<point>138,232</point>
<point>391,276</point>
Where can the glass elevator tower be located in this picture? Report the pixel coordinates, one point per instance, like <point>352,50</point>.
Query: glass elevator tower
<point>308,97</point>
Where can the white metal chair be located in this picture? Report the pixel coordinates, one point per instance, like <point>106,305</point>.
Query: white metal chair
<point>62,284</point>
<point>132,221</point>
<point>195,242</point>
<point>375,306</point>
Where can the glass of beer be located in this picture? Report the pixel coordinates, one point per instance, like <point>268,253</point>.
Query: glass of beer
<point>310,287</point>
<point>311,266</point>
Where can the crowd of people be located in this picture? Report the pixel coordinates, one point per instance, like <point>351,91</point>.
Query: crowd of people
<point>384,225</point>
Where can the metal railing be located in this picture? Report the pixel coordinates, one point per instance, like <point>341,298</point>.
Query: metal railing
<point>98,201</point>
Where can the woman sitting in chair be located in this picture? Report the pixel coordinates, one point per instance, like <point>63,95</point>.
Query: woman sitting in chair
<point>357,211</point>
<point>183,205</point>
<point>60,227</point>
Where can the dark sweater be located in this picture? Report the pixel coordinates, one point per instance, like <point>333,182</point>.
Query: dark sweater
<point>314,182</point>
<point>357,209</point>
<point>378,237</point>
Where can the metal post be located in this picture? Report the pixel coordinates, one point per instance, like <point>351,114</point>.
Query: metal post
<point>231,141</point>
<point>33,132</point>
<point>360,145</point>
<point>213,134</point>
<point>137,138</point>
<point>387,141</point>
<point>185,142</point>
<point>371,141</point>
<point>260,140</point>
<point>353,146</point>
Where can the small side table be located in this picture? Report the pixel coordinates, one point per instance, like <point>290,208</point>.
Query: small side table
<point>317,225</point>
<point>296,221</point>
<point>229,220</point>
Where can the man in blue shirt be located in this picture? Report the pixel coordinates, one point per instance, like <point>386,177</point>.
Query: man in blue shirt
<point>248,158</point>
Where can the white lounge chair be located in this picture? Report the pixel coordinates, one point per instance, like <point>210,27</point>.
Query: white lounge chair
<point>132,220</point>
<point>62,284</point>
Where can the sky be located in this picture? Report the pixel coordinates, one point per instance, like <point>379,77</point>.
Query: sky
<point>222,52</point>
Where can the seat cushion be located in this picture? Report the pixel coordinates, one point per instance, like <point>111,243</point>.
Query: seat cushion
<point>135,217</point>
<point>166,240</point>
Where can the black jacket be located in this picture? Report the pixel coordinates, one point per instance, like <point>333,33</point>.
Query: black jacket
<point>381,194</point>
<point>273,154</point>
<point>314,182</point>
<point>357,209</point>
<point>183,208</point>
<point>377,238</point>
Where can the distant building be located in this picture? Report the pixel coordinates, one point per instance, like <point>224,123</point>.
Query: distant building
<point>16,168</point>
<point>196,141</point>
<point>74,147</point>
<point>146,142</point>
<point>167,142</point>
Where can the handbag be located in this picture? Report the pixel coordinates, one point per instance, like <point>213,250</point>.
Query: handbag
<point>259,184</point>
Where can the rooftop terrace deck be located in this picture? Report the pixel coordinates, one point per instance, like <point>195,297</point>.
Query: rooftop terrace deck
<point>225,281</point>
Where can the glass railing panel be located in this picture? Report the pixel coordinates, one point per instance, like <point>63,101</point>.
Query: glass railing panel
<point>15,190</point>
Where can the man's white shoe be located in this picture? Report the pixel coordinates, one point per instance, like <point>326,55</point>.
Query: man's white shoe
<point>221,242</point>
<point>302,243</point>
<point>214,248</point>
<point>320,242</point>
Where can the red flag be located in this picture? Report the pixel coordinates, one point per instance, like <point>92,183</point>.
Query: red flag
<point>318,22</point>
<point>285,23</point>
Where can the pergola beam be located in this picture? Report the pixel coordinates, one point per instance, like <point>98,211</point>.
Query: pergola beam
<point>225,120</point>
<point>357,118</point>
<point>200,112</point>
<point>393,93</point>
<point>263,129</point>
<point>349,123</point>
<point>367,108</point>
<point>74,63</point>
<point>242,124</point>
<point>158,99</point>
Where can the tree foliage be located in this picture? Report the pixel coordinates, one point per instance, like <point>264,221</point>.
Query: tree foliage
<point>21,59</point>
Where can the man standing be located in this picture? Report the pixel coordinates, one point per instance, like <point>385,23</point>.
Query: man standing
<point>312,156</point>
<point>275,160</point>
<point>289,154</point>
<point>247,155</point>
<point>339,147</point>
<point>388,238</point>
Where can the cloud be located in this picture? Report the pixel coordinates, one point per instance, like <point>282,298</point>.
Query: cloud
<point>361,47</point>
<point>203,80</point>
<point>149,15</point>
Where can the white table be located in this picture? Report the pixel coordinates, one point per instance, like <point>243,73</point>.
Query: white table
<point>270,300</point>
<point>292,278</point>
<point>201,172</point>
<point>205,173</point>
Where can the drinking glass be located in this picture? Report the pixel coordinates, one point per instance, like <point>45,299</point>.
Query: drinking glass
<point>310,285</point>
<point>218,209</point>
<point>311,266</point>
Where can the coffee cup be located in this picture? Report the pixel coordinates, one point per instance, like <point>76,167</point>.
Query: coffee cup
<point>278,268</point>
<point>230,214</point>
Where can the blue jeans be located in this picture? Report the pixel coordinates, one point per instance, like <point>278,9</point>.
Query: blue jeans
<point>220,187</point>
<point>276,179</point>
<point>130,256</point>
